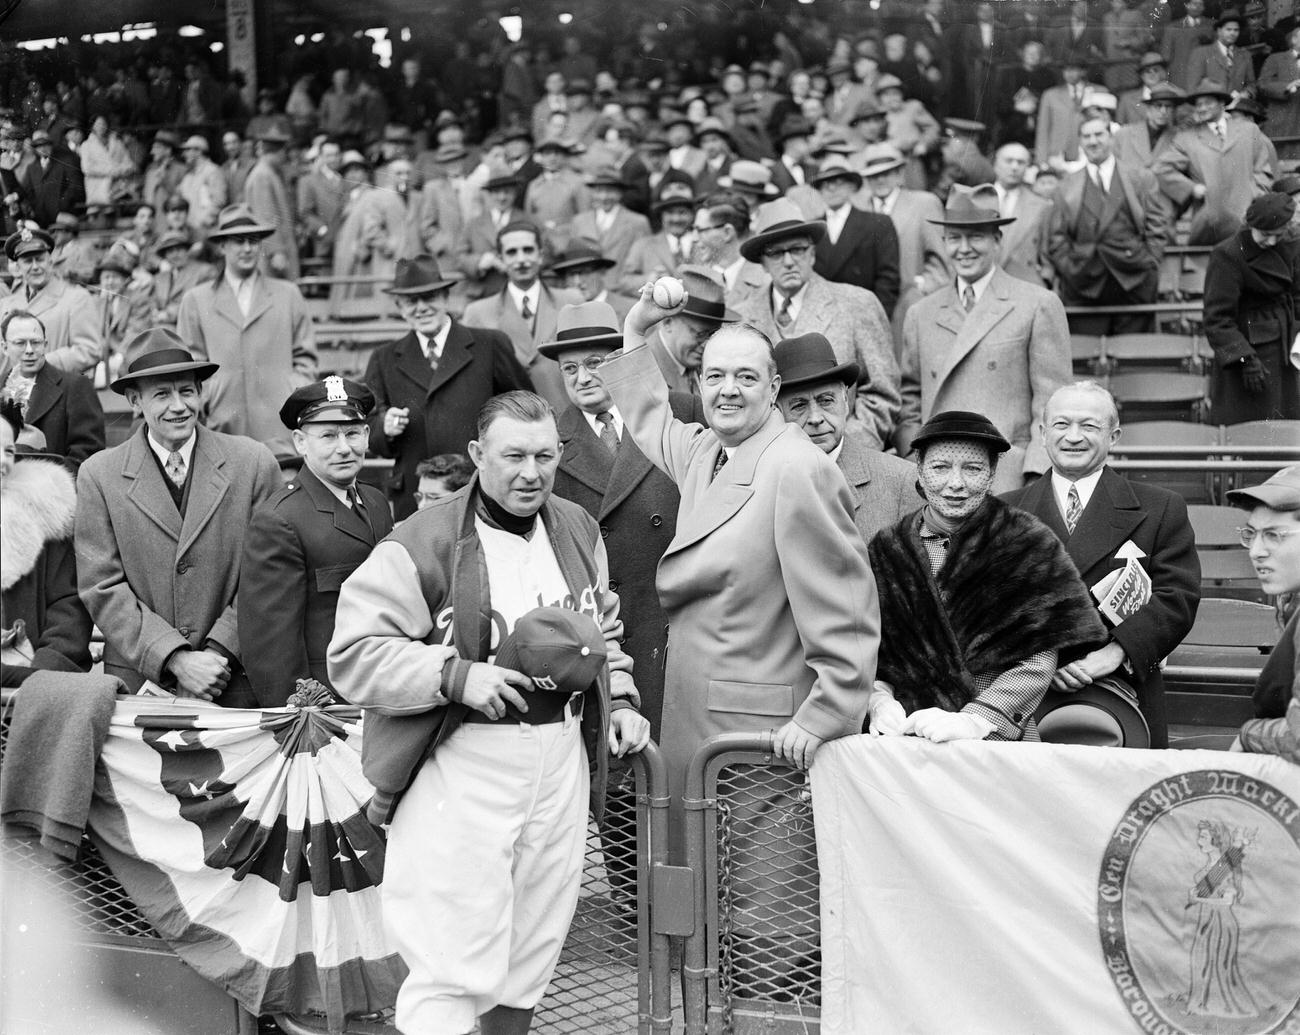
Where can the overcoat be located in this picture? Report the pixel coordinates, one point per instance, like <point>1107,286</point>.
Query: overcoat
<point>1153,519</point>
<point>67,410</point>
<point>71,323</point>
<point>1235,170</point>
<point>301,545</point>
<point>771,605</point>
<point>1002,359</point>
<point>865,255</point>
<point>883,485</point>
<point>476,364</point>
<point>155,582</point>
<point>1252,298</point>
<point>635,504</point>
<point>1280,71</point>
<point>264,356</point>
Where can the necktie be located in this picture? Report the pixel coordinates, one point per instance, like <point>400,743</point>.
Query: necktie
<point>1218,129</point>
<point>433,356</point>
<point>783,316</point>
<point>968,298</point>
<point>720,463</point>
<point>1095,172</point>
<point>175,468</point>
<point>1231,52</point>
<point>526,311</point>
<point>1073,508</point>
<point>607,433</point>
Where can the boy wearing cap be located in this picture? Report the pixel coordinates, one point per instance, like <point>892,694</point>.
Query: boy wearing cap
<point>1252,295</point>
<point>161,521</point>
<point>485,848</point>
<point>1272,535</point>
<point>307,539</point>
<point>68,311</point>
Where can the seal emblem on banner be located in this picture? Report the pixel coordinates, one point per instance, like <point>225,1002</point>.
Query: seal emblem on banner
<point>1197,906</point>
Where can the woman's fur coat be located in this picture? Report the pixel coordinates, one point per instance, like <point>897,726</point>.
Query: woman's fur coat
<point>1006,591</point>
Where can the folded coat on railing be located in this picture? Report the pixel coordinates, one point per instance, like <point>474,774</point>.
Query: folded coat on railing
<point>241,836</point>
<point>1026,888</point>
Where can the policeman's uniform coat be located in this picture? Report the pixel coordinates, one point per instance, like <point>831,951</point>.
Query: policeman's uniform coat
<point>301,545</point>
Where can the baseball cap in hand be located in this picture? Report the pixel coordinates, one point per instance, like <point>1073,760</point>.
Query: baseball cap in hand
<point>561,651</point>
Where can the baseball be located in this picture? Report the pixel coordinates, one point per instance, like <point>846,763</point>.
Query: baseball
<point>668,292</point>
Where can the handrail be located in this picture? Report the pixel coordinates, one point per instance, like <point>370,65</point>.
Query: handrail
<point>1179,450</point>
<point>1150,308</point>
<point>1243,465</point>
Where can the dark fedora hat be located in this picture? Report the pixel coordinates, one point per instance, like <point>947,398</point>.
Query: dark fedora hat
<point>1208,87</point>
<point>961,424</point>
<point>776,221</point>
<point>810,359</point>
<point>1104,714</point>
<point>581,254</point>
<point>161,352</point>
<point>705,295</point>
<point>606,176</point>
<point>965,211</point>
<point>419,276</point>
<point>672,193</point>
<point>502,180</point>
<point>239,221</point>
<point>582,326</point>
<point>1229,14</point>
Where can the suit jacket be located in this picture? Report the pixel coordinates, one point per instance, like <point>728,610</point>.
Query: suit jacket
<point>1210,62</point>
<point>1235,170</point>
<point>1178,43</point>
<point>616,242</point>
<point>784,179</point>
<point>301,545</point>
<point>1155,521</point>
<point>66,409</point>
<point>499,313</point>
<point>771,605</point>
<point>854,322</point>
<point>268,197</point>
<point>636,505</point>
<point>320,206</point>
<point>1003,359</point>
<point>920,243</point>
<point>883,485</point>
<point>476,364</point>
<point>1058,125</point>
<point>1132,145</point>
<point>153,581</point>
<point>71,323</point>
<point>865,255</point>
<point>170,286</point>
<point>47,192</point>
<point>480,236</point>
<point>691,161</point>
<point>1023,241</point>
<point>441,223</point>
<point>1131,259</point>
<point>647,255</point>
<point>264,356</point>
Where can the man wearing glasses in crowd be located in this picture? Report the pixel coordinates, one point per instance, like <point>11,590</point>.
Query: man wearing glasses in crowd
<point>800,302</point>
<point>306,539</point>
<point>430,384</point>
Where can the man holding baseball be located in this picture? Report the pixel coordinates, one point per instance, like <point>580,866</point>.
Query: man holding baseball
<point>772,610</point>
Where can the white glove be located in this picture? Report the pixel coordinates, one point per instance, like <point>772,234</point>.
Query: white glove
<point>886,715</point>
<point>941,726</point>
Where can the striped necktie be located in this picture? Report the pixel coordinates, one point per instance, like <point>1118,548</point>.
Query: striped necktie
<point>1073,509</point>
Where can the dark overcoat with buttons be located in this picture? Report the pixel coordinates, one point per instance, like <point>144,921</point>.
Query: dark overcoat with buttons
<point>475,365</point>
<point>156,582</point>
<point>635,505</point>
<point>302,544</point>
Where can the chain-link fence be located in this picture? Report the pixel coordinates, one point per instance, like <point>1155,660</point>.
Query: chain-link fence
<point>754,963</point>
<point>603,985</point>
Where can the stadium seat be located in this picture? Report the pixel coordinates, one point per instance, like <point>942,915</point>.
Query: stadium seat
<point>1085,350</point>
<point>1193,486</point>
<point>1226,570</point>
<point>1124,352</point>
<point>1157,395</point>
<point>1285,434</point>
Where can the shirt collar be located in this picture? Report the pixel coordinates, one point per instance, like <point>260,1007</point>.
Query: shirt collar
<point>979,285</point>
<point>162,452</point>
<point>437,343</point>
<point>533,294</point>
<point>1086,486</point>
<point>595,424</point>
<point>796,300</point>
<point>834,454</point>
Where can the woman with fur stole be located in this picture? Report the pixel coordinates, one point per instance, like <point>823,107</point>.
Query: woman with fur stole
<point>43,624</point>
<point>977,599</point>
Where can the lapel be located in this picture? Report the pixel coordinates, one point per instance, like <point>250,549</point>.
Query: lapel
<point>224,304</point>
<point>544,325</point>
<point>730,490</point>
<point>455,355</point>
<point>46,298</point>
<point>208,487</point>
<point>345,519</point>
<point>585,458</point>
<point>1040,501</point>
<point>1109,519</point>
<point>410,360</point>
<point>854,462</point>
<point>992,307</point>
<point>147,490</point>
<point>630,468</point>
<point>1072,195</point>
<point>512,324</point>
<point>851,234</point>
<point>261,299</point>
<point>46,390</point>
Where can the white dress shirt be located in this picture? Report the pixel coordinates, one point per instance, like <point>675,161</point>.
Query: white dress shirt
<point>835,219</point>
<point>533,294</point>
<point>437,343</point>
<point>162,452</point>
<point>1086,486</point>
<point>796,301</point>
<point>978,285</point>
<point>596,425</point>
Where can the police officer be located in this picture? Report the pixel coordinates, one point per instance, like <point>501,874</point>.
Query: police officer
<point>307,538</point>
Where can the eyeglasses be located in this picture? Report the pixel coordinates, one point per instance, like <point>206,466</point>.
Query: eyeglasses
<point>794,251</point>
<point>1272,537</point>
<point>591,364</point>
<point>353,436</point>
